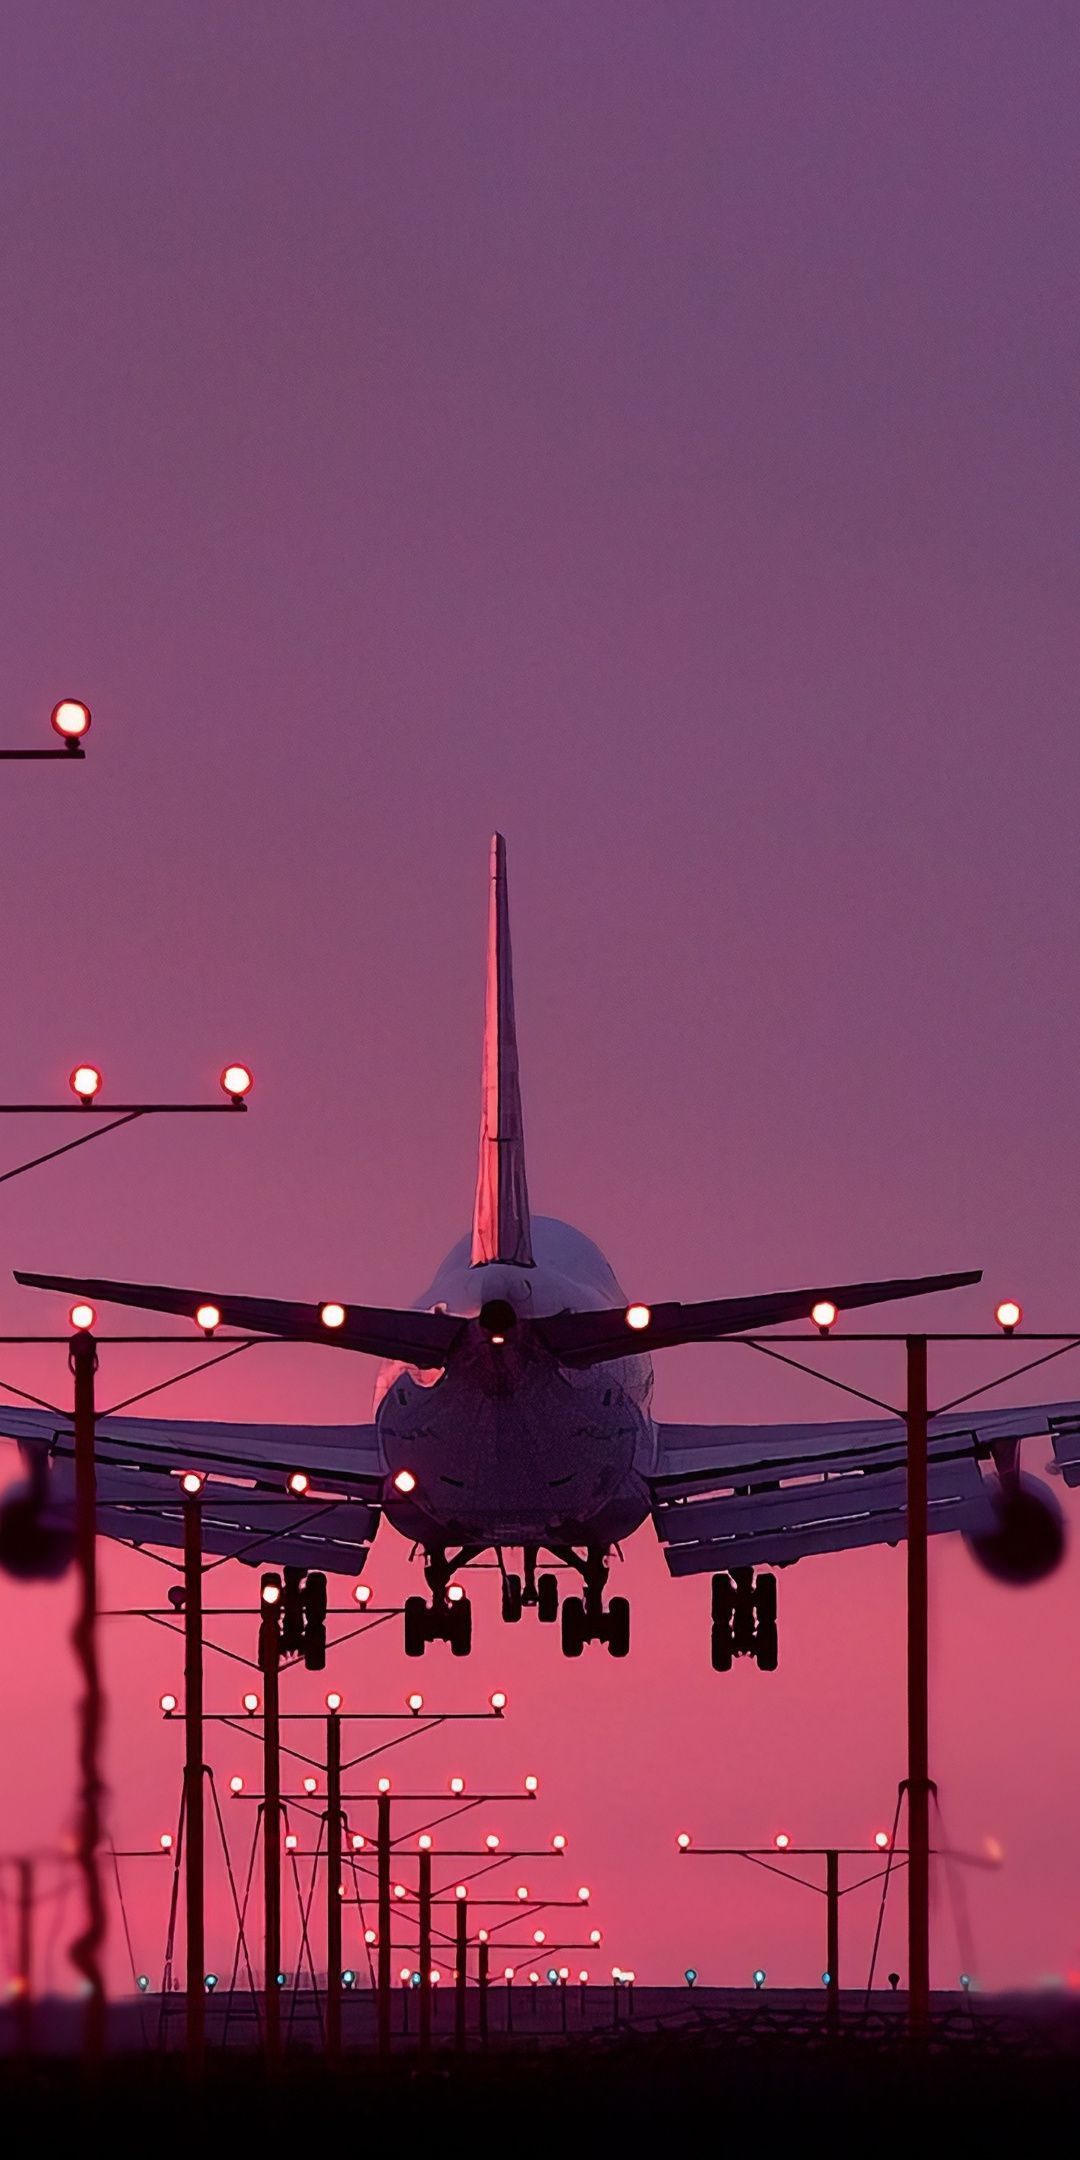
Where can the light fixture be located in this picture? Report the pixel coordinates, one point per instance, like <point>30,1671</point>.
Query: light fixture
<point>423,1842</point>
<point>532,1784</point>
<point>271,1590</point>
<point>638,1317</point>
<point>291,1841</point>
<point>298,1481</point>
<point>558,1842</point>
<point>759,1977</point>
<point>251,1704</point>
<point>193,1482</point>
<point>492,1842</point>
<point>370,1936</point>
<point>168,1704</point>
<point>85,1081</point>
<point>362,1593</point>
<point>1009,1315</point>
<point>498,1702</point>
<point>71,719</point>
<point>455,1593</point>
<point>165,1841</point>
<point>384,1784</point>
<point>539,1935</point>
<point>237,1081</point>
<point>461,1891</point>
<point>508,1973</point>
<point>333,1701</point>
<point>523,1893</point>
<point>404,1482</point>
<point>82,1318</point>
<point>311,1784</point>
<point>781,1841</point>
<point>415,1703</point>
<point>583,1894</point>
<point>457,1784</point>
<point>683,1841</point>
<point>208,1317</point>
<point>236,1784</point>
<point>881,1839</point>
<point>332,1316</point>
<point>823,1315</point>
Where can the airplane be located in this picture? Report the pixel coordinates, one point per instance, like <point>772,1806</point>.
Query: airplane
<point>512,1412</point>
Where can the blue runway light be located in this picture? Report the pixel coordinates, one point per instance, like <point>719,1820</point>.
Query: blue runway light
<point>690,1975</point>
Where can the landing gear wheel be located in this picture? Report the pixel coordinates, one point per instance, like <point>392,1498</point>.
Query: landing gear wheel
<point>765,1600</point>
<point>511,1597</point>
<point>618,1627</point>
<point>573,1626</point>
<point>461,1628</point>
<point>743,1612</point>
<point>766,1649</point>
<point>722,1652</point>
<point>547,1599</point>
<point>416,1626</point>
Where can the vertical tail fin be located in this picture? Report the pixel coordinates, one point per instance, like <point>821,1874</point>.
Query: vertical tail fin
<point>501,1210</point>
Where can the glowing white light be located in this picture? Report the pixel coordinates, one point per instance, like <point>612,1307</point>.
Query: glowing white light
<point>823,1315</point>
<point>370,1936</point>
<point>168,1703</point>
<point>1009,1315</point>
<point>415,1703</point>
<point>85,1081</point>
<point>82,1318</point>
<point>311,1784</point>
<point>638,1316</point>
<point>192,1481</point>
<point>332,1315</point>
<point>404,1482</point>
<point>539,1935</point>
<point>683,1841</point>
<point>251,1703</point>
<point>457,1784</point>
<point>508,1972</point>
<point>362,1593</point>
<point>291,1841</point>
<point>71,718</point>
<point>208,1317</point>
<point>455,1593</point>
<point>781,1841</point>
<point>522,1892</point>
<point>492,1842</point>
<point>881,1839</point>
<point>236,1784</point>
<point>461,1891</point>
<point>165,1841</point>
<point>298,1481</point>
<point>384,1784</point>
<point>558,1842</point>
<point>237,1081</point>
<point>498,1700</point>
<point>358,1841</point>
<point>424,1842</point>
<point>584,1893</point>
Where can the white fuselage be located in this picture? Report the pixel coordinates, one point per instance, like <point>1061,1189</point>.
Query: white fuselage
<point>506,1445</point>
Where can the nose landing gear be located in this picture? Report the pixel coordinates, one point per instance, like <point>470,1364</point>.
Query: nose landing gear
<point>744,1619</point>
<point>531,1589</point>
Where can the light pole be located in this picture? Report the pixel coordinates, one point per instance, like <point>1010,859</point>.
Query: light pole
<point>918,1734</point>
<point>71,721</point>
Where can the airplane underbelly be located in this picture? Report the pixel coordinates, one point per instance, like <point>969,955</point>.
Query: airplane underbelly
<point>551,1461</point>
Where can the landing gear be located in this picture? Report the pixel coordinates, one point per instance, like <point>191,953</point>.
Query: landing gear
<point>448,1616</point>
<point>584,1619</point>
<point>547,1599</point>
<point>529,1588</point>
<point>744,1619</point>
<point>512,1598</point>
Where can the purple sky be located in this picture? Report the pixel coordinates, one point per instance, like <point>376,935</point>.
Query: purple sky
<point>651,429</point>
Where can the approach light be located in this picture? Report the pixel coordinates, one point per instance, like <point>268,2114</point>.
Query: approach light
<point>539,1935</point>
<point>532,1784</point>
<point>826,1979</point>
<point>498,1702</point>
<point>168,1704</point>
<point>358,1841</point>
<point>85,1080</point>
<point>759,1977</point>
<point>332,1315</point>
<point>455,1593</point>
<point>71,719</point>
<point>270,1593</point>
<point>965,1981</point>
<point>423,1842</point>
<point>165,1841</point>
<point>596,1935</point>
<point>251,1704</point>
<point>558,1842</point>
<point>492,1842</point>
<point>405,1976</point>
<point>193,1481</point>
<point>298,1481</point>
<point>436,1976</point>
<point>208,1317</point>
<point>210,1982</point>
<point>508,1972</point>
<point>237,1081</point>
<point>683,1841</point>
<point>481,1935</point>
<point>415,1704</point>
<point>371,1936</point>
<point>583,1977</point>
<point>781,1841</point>
<point>291,1841</point>
<point>362,1593</point>
<point>638,1317</point>
<point>311,1784</point>
<point>690,1975</point>
<point>1009,1315</point>
<point>142,1983</point>
<point>82,1318</point>
<point>236,1784</point>
<point>384,1784</point>
<point>534,1979</point>
<point>460,1890</point>
<point>823,1315</point>
<point>584,1894</point>
<point>348,1978</point>
<point>400,1890</point>
<point>522,1892</point>
<point>552,1976</point>
<point>881,1840</point>
<point>457,1784</point>
<point>404,1482</point>
<point>333,1701</point>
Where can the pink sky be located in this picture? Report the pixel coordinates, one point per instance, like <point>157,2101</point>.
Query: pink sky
<point>649,429</point>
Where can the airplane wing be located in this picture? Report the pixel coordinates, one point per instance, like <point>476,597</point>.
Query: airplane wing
<point>729,1496</point>
<point>247,1510</point>
<point>416,1338</point>
<point>593,1338</point>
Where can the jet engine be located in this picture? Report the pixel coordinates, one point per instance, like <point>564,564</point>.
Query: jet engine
<point>1018,1535</point>
<point>37,1538</point>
